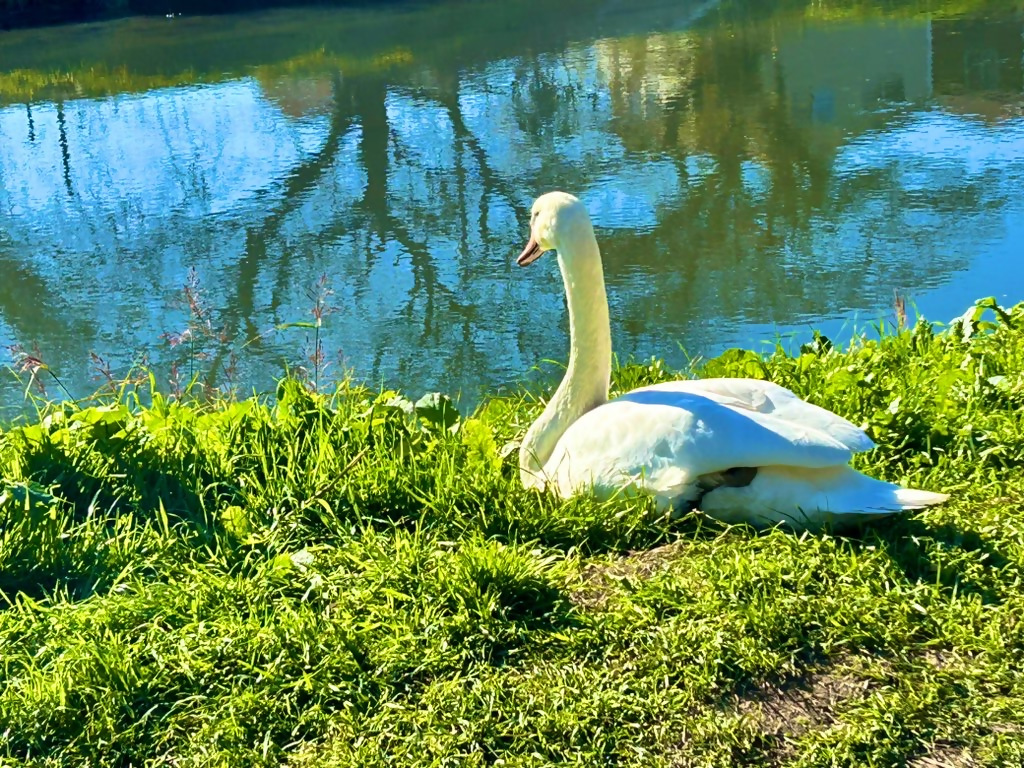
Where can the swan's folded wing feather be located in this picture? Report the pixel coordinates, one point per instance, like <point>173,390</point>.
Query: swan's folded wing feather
<point>665,439</point>
<point>771,399</point>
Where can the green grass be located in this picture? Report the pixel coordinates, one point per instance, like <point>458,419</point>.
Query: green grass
<point>355,580</point>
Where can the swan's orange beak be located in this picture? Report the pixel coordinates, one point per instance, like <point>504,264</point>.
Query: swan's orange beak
<point>530,253</point>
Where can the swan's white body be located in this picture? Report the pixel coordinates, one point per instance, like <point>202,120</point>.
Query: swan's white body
<point>743,449</point>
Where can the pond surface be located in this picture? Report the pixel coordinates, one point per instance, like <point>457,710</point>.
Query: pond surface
<point>754,170</point>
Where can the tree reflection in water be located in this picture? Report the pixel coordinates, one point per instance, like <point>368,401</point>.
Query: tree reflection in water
<point>749,171</point>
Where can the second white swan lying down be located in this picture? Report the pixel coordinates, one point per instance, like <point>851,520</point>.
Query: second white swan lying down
<point>739,449</point>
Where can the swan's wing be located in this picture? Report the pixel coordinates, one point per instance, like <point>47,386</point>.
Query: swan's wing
<point>772,400</point>
<point>663,438</point>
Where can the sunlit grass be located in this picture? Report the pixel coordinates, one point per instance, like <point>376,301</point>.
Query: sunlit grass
<point>27,85</point>
<point>355,579</point>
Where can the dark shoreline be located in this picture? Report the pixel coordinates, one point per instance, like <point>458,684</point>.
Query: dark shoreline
<point>18,14</point>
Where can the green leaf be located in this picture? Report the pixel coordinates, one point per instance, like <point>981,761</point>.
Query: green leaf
<point>820,345</point>
<point>481,450</point>
<point>236,522</point>
<point>300,324</point>
<point>402,404</point>
<point>437,410</point>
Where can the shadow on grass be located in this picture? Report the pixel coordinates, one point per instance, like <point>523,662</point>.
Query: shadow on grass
<point>87,513</point>
<point>122,474</point>
<point>959,562</point>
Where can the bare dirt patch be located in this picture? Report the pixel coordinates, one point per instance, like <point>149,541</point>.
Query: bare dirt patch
<point>814,700</point>
<point>804,703</point>
<point>599,580</point>
<point>943,756</point>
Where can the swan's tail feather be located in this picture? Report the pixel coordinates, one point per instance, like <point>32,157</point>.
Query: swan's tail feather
<point>805,497</point>
<point>911,498</point>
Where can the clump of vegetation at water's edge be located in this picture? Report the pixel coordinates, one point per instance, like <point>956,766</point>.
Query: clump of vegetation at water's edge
<point>357,579</point>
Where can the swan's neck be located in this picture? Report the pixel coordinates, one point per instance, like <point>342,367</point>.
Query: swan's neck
<point>585,385</point>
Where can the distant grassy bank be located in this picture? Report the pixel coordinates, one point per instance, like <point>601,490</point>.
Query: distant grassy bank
<point>22,13</point>
<point>360,580</point>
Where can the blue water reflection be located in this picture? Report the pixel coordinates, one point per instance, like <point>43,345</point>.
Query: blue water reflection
<point>752,172</point>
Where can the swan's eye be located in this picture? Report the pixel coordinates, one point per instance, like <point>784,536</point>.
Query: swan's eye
<point>533,219</point>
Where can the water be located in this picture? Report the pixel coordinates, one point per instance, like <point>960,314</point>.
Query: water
<point>753,170</point>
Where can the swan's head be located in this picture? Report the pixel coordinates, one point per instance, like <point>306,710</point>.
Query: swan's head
<point>556,219</point>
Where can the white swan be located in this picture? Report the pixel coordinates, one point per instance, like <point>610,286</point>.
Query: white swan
<point>739,449</point>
